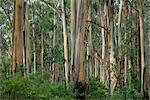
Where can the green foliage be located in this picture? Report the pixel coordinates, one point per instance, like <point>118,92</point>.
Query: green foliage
<point>97,89</point>
<point>57,54</point>
<point>36,86</point>
<point>126,93</point>
<point>5,67</point>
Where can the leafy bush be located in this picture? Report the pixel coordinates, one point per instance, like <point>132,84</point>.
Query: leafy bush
<point>127,93</point>
<point>97,89</point>
<point>33,87</point>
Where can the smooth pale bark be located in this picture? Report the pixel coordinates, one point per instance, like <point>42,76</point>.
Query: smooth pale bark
<point>77,42</point>
<point>119,24</point>
<point>102,17</point>
<point>34,51</point>
<point>141,41</point>
<point>65,43</point>
<point>73,16</point>
<point>113,79</point>
<point>102,29</point>
<point>28,42</point>
<point>90,45</point>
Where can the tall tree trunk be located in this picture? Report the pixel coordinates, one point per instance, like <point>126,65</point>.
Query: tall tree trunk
<point>17,36</point>
<point>90,45</point>
<point>119,24</point>
<point>34,51</point>
<point>33,41</point>
<point>77,41</point>
<point>102,15</point>
<point>109,14</point>
<point>120,51</point>
<point>73,16</point>
<point>65,44</point>
<point>27,60</point>
<point>42,51</point>
<point>81,43</point>
<point>141,41</point>
<point>54,44</point>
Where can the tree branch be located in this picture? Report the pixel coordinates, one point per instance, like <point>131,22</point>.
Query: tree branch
<point>132,6</point>
<point>97,25</point>
<point>54,9</point>
<point>6,13</point>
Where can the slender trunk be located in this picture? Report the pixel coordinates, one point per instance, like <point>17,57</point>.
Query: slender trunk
<point>82,36</point>
<point>77,46</point>
<point>65,44</point>
<point>119,24</point>
<point>33,41</point>
<point>120,51</point>
<point>73,16</point>
<point>26,38</point>
<point>34,51</point>
<point>90,46</point>
<point>125,70</point>
<point>141,41</point>
<point>103,40</point>
<point>138,48</point>
<point>113,79</point>
<point>54,41</point>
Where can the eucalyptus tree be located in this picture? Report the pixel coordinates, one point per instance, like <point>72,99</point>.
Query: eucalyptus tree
<point>19,36</point>
<point>139,3</point>
<point>73,34</point>
<point>65,43</point>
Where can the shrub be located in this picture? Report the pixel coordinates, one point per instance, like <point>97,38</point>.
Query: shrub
<point>97,89</point>
<point>33,87</point>
<point>127,93</point>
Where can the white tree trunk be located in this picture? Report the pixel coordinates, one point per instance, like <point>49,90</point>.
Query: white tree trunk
<point>65,43</point>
